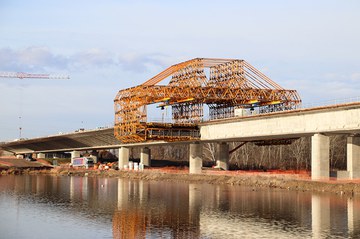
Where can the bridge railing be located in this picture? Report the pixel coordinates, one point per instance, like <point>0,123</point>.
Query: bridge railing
<point>327,103</point>
<point>248,112</point>
<point>330,102</point>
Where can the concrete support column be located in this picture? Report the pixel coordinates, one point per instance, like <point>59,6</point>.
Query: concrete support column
<point>195,160</point>
<point>223,156</point>
<point>145,156</point>
<point>40,156</point>
<point>123,157</point>
<point>320,148</point>
<point>353,157</point>
<point>74,154</point>
<point>320,215</point>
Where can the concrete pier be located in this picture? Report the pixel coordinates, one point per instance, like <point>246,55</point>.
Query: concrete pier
<point>223,156</point>
<point>320,162</point>
<point>74,154</point>
<point>40,155</point>
<point>123,157</point>
<point>353,157</point>
<point>195,160</point>
<point>145,156</point>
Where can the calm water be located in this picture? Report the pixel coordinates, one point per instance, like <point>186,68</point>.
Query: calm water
<point>82,207</point>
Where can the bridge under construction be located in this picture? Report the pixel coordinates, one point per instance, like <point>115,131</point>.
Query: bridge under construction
<point>224,85</point>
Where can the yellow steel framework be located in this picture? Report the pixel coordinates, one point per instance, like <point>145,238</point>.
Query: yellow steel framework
<point>230,84</point>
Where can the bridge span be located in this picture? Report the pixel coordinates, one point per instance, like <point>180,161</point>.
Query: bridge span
<point>337,119</point>
<point>319,123</point>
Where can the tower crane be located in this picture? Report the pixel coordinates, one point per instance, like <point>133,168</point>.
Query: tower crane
<point>22,75</point>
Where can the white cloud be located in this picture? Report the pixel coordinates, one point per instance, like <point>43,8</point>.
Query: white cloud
<point>355,76</point>
<point>32,58</point>
<point>142,62</point>
<point>90,58</point>
<point>43,59</point>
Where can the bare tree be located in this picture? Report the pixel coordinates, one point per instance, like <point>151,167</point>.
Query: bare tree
<point>338,152</point>
<point>300,151</point>
<point>209,151</point>
<point>241,156</point>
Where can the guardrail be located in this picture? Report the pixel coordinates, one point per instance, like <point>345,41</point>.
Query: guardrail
<point>255,112</point>
<point>330,102</point>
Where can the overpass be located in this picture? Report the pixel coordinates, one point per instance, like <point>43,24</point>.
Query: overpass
<point>319,123</point>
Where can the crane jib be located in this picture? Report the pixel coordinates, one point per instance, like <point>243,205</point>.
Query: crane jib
<point>22,75</point>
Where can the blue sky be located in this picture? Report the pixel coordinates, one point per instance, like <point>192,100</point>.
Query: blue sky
<point>105,46</point>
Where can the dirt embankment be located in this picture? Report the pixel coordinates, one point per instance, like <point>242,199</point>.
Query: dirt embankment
<point>282,180</point>
<point>288,180</point>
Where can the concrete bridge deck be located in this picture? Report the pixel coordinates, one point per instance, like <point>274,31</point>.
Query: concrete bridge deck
<point>337,119</point>
<point>317,122</point>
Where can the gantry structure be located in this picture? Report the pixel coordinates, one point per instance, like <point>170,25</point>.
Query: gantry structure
<point>224,85</point>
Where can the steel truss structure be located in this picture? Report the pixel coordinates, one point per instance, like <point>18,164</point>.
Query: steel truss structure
<point>224,85</point>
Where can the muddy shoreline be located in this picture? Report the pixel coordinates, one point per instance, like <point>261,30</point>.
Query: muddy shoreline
<point>292,182</point>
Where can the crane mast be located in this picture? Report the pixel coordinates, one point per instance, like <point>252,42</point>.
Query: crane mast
<point>22,75</point>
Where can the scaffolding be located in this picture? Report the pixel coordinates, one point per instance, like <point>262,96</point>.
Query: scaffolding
<point>231,84</point>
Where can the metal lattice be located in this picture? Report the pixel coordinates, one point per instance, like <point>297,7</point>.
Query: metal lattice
<point>231,84</point>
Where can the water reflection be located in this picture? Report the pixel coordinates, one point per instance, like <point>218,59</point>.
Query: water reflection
<point>353,213</point>
<point>154,210</point>
<point>119,208</point>
<point>320,215</point>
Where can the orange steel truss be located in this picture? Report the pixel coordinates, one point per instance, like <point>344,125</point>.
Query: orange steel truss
<point>222,84</point>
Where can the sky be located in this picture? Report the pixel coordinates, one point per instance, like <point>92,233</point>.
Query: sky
<point>105,46</point>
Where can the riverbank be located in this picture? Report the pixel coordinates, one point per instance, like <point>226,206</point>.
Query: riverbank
<point>12,165</point>
<point>286,180</point>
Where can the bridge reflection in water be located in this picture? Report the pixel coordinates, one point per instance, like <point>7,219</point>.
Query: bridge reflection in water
<point>141,209</point>
<point>200,210</point>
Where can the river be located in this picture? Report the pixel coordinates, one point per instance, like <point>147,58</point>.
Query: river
<point>43,206</point>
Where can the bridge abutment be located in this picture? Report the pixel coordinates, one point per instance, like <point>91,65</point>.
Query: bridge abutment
<point>195,160</point>
<point>124,153</point>
<point>145,156</point>
<point>223,156</point>
<point>353,157</point>
<point>320,148</point>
